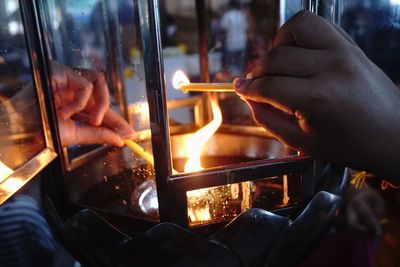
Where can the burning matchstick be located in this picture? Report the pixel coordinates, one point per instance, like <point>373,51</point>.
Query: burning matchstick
<point>180,81</point>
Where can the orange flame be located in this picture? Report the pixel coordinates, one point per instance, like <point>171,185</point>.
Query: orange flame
<point>201,137</point>
<point>195,145</point>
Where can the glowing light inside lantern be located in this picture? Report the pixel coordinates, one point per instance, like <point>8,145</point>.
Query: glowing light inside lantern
<point>199,215</point>
<point>201,137</point>
<point>201,202</point>
<point>195,145</point>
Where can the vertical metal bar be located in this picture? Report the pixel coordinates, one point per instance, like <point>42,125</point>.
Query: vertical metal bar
<point>35,39</point>
<point>202,27</point>
<point>337,11</point>
<point>310,5</point>
<point>315,6</point>
<point>157,100</point>
<point>202,24</point>
<point>114,57</point>
<point>306,4</point>
<point>282,12</point>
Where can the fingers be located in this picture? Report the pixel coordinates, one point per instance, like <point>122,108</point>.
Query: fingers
<point>73,134</point>
<point>86,134</point>
<point>283,126</point>
<point>290,61</point>
<point>118,124</point>
<point>308,30</point>
<point>80,89</point>
<point>75,92</point>
<point>284,93</point>
<point>101,96</point>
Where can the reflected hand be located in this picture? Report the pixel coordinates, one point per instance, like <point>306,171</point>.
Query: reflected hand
<point>319,93</point>
<point>83,108</point>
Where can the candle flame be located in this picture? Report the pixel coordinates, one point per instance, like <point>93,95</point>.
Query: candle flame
<point>195,146</point>
<point>179,79</point>
<point>200,138</point>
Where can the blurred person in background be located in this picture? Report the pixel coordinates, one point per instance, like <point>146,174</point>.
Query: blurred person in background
<point>235,25</point>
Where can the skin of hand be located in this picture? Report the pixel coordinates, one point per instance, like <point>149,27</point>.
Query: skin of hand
<point>364,210</point>
<point>83,108</point>
<point>318,92</point>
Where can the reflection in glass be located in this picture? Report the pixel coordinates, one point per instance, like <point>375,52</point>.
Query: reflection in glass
<point>21,134</point>
<point>99,41</point>
<point>98,37</point>
<point>223,203</point>
<point>375,27</point>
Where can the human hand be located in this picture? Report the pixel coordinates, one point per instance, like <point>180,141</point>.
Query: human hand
<point>83,108</point>
<point>364,211</point>
<point>318,92</point>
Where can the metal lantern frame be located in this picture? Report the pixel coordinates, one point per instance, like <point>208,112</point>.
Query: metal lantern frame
<point>171,188</point>
<point>37,163</point>
<point>81,229</point>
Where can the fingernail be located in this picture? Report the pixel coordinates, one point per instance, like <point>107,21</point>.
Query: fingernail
<point>239,82</point>
<point>126,134</point>
<point>120,143</point>
<point>249,75</point>
<point>95,121</point>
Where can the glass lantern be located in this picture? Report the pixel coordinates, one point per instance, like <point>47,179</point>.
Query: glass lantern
<point>198,158</point>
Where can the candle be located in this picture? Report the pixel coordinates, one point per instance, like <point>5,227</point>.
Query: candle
<point>207,87</point>
<point>140,151</point>
<point>181,81</point>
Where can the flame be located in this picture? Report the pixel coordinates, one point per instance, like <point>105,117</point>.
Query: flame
<point>195,145</point>
<point>201,137</point>
<point>180,79</point>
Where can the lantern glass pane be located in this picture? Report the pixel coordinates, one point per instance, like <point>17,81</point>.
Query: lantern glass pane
<point>21,131</point>
<point>95,55</point>
<point>224,203</point>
